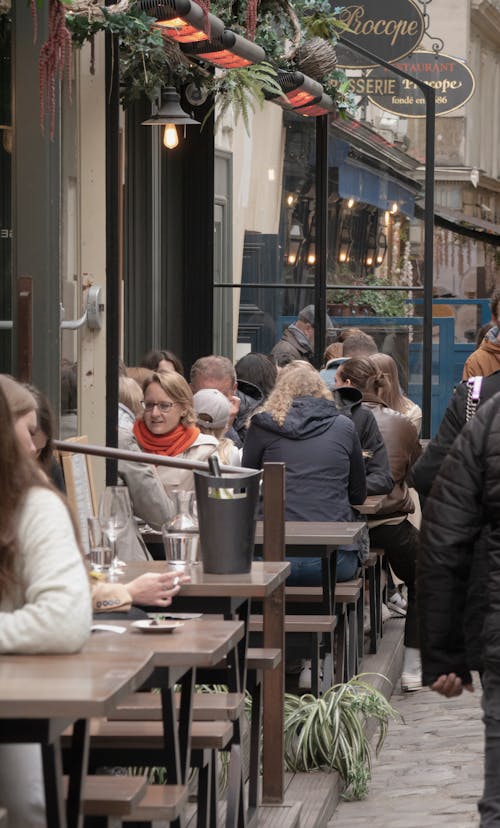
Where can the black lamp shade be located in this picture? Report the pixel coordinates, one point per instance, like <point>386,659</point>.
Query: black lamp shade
<point>170,111</point>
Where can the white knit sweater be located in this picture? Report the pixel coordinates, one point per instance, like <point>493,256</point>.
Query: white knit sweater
<point>48,610</point>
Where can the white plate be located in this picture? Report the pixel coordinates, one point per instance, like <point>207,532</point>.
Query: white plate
<point>149,626</point>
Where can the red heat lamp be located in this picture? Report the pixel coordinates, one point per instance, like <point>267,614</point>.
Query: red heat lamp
<point>182,20</point>
<point>229,51</point>
<point>300,91</point>
<point>315,110</point>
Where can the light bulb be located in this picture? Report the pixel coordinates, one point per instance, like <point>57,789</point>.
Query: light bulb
<point>386,218</point>
<point>394,207</point>
<point>170,137</point>
<point>342,257</point>
<point>350,203</point>
<point>292,258</point>
<point>311,259</point>
<point>369,261</point>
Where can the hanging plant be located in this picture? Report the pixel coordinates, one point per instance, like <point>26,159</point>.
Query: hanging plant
<point>55,60</point>
<point>243,89</point>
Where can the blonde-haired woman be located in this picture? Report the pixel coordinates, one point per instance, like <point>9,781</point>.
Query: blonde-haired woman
<point>300,426</point>
<point>167,427</point>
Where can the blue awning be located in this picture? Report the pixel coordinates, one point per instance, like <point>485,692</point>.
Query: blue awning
<point>374,187</point>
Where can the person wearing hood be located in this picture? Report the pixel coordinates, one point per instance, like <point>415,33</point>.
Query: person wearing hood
<point>486,359</point>
<point>297,341</point>
<point>300,426</point>
<point>255,379</point>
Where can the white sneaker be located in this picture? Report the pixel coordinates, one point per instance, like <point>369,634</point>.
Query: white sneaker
<point>411,677</point>
<point>397,603</point>
<point>305,678</point>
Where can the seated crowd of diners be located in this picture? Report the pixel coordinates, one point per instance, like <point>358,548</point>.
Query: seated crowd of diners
<point>343,433</point>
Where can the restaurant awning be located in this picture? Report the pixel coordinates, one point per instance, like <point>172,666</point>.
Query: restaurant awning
<point>372,186</point>
<point>458,222</point>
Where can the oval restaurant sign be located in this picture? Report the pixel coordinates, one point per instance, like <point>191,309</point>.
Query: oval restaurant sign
<point>391,29</point>
<point>451,78</point>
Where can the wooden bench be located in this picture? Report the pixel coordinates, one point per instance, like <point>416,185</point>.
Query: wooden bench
<point>349,601</point>
<point>142,743</point>
<point>312,628</point>
<point>206,707</point>
<point>348,633</point>
<point>161,802</point>
<point>120,799</point>
<point>111,796</point>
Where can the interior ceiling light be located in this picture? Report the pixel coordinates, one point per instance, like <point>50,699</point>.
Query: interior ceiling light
<point>182,20</point>
<point>229,51</point>
<point>300,90</point>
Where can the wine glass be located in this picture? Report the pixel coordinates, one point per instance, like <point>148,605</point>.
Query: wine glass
<point>114,514</point>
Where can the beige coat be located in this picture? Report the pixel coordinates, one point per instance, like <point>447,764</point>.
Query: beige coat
<point>150,487</point>
<point>484,361</point>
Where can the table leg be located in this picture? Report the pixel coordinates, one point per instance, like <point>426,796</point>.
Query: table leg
<point>177,732</point>
<point>53,777</point>
<point>78,763</point>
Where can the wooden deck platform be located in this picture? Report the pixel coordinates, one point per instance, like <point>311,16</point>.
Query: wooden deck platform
<point>311,798</point>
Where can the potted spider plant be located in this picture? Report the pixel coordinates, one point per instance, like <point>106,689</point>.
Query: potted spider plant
<point>330,732</point>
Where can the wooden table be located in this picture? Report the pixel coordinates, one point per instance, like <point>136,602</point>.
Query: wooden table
<point>40,695</point>
<point>175,657</point>
<point>318,539</point>
<point>310,533</point>
<point>371,505</point>
<point>231,595</point>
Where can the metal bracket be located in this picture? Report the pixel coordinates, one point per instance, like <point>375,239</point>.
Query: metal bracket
<point>92,314</point>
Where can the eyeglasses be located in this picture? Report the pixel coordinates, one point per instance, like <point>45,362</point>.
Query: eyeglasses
<point>163,407</point>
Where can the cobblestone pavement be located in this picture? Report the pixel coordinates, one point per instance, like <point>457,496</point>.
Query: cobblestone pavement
<point>430,770</point>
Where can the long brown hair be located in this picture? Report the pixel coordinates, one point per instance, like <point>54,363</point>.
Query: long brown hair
<point>364,375</point>
<point>18,473</point>
<point>390,392</point>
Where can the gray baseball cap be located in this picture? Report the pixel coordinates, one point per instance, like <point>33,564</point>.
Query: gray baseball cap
<point>211,408</point>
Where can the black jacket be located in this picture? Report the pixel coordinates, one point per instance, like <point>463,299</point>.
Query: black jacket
<point>427,466</point>
<point>378,473</point>
<point>458,587</point>
<point>324,464</point>
<point>250,398</point>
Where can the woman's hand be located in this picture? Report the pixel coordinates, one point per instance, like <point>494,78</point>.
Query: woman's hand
<point>156,588</point>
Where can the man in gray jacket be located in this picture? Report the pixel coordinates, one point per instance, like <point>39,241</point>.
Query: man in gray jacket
<point>297,341</point>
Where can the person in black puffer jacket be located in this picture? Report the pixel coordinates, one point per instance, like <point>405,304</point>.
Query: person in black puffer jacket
<point>464,500</point>
<point>427,466</point>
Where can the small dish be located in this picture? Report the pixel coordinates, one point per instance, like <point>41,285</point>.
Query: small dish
<point>151,626</point>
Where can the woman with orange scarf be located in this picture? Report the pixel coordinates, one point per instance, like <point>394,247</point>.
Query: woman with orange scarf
<point>167,428</point>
